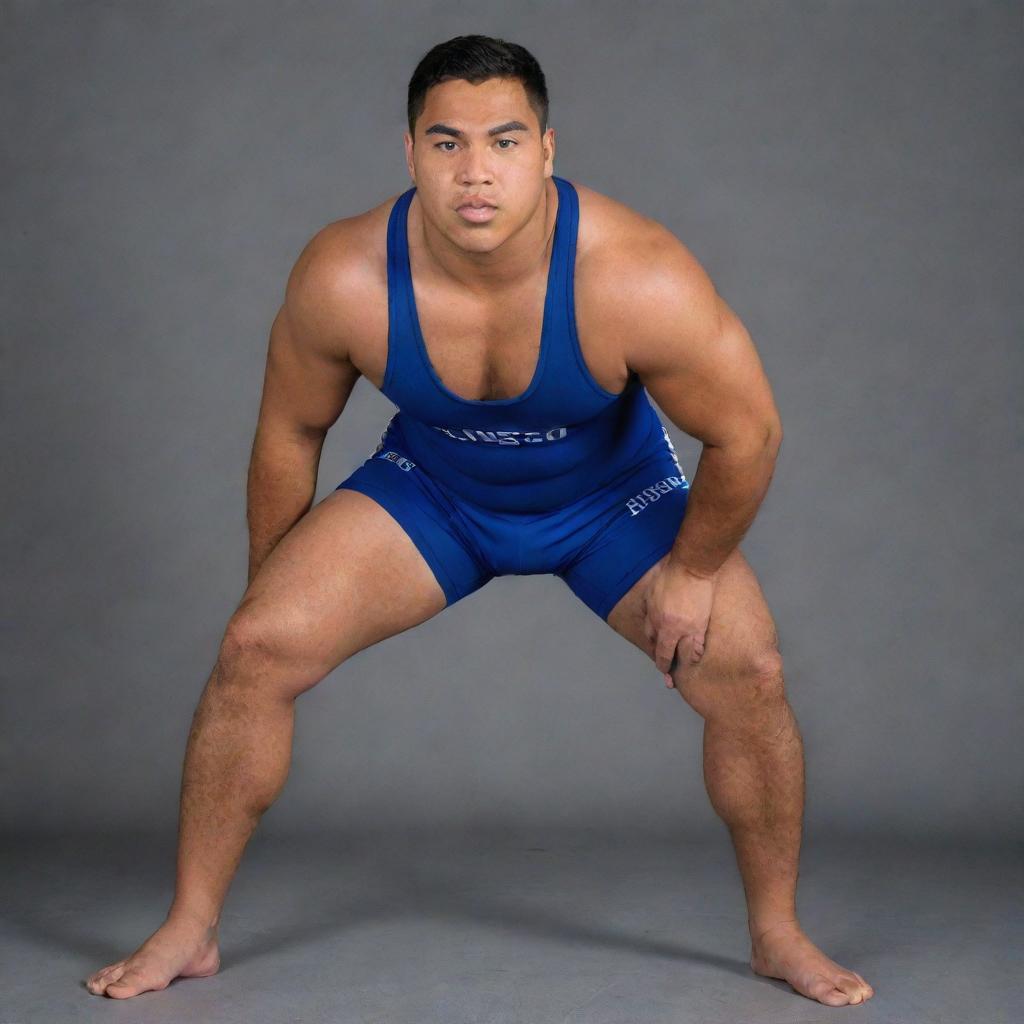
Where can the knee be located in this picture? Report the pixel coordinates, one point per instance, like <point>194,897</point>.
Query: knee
<point>765,669</point>
<point>745,681</point>
<point>265,649</point>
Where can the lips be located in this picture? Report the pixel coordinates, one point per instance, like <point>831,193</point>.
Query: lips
<point>476,210</point>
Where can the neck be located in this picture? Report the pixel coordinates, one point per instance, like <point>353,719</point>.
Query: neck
<point>520,255</point>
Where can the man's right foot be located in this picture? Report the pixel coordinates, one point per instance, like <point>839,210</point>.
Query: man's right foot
<point>179,948</point>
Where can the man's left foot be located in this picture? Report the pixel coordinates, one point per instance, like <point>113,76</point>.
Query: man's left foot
<point>785,952</point>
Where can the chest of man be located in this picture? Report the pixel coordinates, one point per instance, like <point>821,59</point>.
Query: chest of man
<point>487,349</point>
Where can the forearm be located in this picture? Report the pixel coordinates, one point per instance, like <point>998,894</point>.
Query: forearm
<point>727,489</point>
<point>280,490</point>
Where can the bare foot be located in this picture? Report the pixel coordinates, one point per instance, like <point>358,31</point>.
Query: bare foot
<point>180,948</point>
<point>783,951</point>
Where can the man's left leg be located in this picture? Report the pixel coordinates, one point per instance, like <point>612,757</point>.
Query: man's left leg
<point>753,770</point>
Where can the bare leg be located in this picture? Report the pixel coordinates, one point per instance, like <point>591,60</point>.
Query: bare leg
<point>236,763</point>
<point>754,772</point>
<point>345,577</point>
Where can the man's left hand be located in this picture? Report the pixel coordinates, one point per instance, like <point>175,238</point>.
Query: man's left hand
<point>677,611</point>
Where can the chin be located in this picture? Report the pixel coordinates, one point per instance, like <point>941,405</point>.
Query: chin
<point>475,241</point>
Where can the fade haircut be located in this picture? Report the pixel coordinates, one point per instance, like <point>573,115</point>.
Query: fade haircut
<point>476,59</point>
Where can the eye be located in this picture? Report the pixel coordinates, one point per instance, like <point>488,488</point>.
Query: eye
<point>513,141</point>
<point>447,142</point>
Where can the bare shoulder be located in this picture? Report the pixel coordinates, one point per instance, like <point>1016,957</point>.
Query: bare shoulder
<point>649,297</point>
<point>315,353</point>
<point>637,278</point>
<point>336,294</point>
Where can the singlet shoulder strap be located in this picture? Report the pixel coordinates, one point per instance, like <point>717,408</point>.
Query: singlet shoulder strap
<point>398,245</point>
<point>563,257</point>
<point>571,351</point>
<point>398,287</point>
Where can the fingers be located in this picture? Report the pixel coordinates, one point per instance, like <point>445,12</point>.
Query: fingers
<point>665,651</point>
<point>650,634</point>
<point>689,650</point>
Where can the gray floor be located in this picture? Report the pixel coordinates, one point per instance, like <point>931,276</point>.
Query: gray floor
<point>541,927</point>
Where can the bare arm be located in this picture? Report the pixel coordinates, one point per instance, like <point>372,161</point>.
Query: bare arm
<point>307,383</point>
<point>699,364</point>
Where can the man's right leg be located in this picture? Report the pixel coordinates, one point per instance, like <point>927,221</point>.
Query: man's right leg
<point>343,578</point>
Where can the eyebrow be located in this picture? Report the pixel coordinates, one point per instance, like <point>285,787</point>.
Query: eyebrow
<point>508,126</point>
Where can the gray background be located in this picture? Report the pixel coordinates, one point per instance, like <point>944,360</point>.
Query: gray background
<point>850,175</point>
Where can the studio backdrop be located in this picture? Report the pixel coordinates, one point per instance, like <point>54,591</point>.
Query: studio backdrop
<point>849,174</point>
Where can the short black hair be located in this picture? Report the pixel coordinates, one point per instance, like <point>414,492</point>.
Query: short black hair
<point>475,59</point>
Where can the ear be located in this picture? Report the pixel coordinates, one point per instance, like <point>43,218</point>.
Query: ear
<point>410,165</point>
<point>548,147</point>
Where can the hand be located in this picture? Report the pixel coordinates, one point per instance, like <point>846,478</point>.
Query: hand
<point>677,607</point>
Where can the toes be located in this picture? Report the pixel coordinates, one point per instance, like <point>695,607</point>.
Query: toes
<point>835,998</point>
<point>826,991</point>
<point>868,990</point>
<point>854,986</point>
<point>116,973</point>
<point>124,988</point>
<point>131,983</point>
<point>95,983</point>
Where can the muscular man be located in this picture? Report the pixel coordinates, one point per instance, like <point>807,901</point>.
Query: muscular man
<point>519,322</point>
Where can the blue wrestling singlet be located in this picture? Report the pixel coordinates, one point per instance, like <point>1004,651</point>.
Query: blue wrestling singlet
<point>566,478</point>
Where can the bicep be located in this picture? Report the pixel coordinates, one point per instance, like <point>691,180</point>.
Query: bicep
<point>308,376</point>
<point>699,363</point>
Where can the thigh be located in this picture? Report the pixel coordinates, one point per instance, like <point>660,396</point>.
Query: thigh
<point>741,639</point>
<point>346,576</point>
<point>628,526</point>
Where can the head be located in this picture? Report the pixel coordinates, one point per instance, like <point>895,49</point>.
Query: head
<point>478,111</point>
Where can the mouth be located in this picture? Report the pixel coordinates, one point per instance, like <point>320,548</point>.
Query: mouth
<point>477,211</point>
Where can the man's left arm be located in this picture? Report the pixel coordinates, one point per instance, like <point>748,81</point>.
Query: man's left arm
<point>699,364</point>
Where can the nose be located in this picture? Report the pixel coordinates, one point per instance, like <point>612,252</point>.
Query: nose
<point>474,169</point>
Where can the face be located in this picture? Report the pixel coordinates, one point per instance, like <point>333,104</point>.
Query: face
<point>456,161</point>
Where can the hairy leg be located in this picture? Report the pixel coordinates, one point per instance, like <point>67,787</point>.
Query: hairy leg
<point>753,770</point>
<point>345,577</point>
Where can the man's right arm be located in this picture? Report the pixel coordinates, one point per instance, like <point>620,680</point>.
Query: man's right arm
<point>307,383</point>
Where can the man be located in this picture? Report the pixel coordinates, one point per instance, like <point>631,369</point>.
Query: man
<point>518,322</point>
